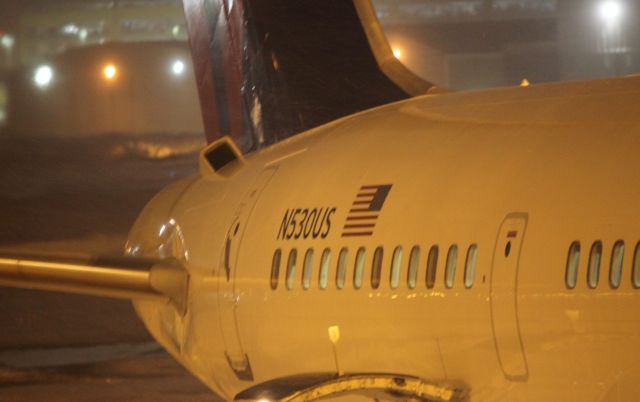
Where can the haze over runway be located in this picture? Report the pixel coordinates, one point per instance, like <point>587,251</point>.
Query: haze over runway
<point>83,200</point>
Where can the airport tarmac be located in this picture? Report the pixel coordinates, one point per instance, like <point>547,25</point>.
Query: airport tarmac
<point>147,376</point>
<point>80,196</point>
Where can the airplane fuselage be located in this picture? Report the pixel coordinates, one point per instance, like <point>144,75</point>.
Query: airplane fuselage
<point>334,231</point>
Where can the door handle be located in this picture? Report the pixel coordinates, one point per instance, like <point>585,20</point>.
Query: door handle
<point>227,253</point>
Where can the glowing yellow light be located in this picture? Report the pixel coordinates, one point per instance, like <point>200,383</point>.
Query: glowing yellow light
<point>397,52</point>
<point>110,71</point>
<point>525,83</point>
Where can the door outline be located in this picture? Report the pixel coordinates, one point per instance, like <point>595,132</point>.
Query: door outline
<point>228,292</point>
<point>524,375</point>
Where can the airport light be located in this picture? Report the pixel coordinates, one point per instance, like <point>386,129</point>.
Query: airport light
<point>7,41</point>
<point>177,68</point>
<point>109,72</point>
<point>83,34</point>
<point>611,15</point>
<point>43,76</point>
<point>70,29</point>
<point>610,11</point>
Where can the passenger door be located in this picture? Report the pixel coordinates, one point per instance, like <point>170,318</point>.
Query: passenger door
<point>504,297</point>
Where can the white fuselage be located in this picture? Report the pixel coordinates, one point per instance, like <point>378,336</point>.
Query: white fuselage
<point>537,167</point>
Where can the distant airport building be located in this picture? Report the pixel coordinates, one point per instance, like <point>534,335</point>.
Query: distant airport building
<point>457,44</point>
<point>45,28</point>
<point>132,88</point>
<point>52,61</point>
<point>467,44</point>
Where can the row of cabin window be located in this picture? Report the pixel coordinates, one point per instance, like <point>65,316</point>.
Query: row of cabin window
<point>593,265</point>
<point>376,268</point>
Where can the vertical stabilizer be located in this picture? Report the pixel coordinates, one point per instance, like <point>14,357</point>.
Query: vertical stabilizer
<point>268,69</point>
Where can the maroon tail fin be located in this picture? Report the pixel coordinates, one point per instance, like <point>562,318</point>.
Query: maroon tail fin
<point>268,69</point>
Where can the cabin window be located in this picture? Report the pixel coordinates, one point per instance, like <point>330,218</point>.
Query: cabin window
<point>376,268</point>
<point>291,268</point>
<point>573,262</point>
<point>358,269</point>
<point>636,267</point>
<point>450,269</point>
<point>412,273</point>
<point>470,266</point>
<point>307,269</point>
<point>325,264</point>
<point>615,271</point>
<point>275,268</point>
<point>432,265</point>
<point>396,265</point>
<point>595,258</point>
<point>341,272</point>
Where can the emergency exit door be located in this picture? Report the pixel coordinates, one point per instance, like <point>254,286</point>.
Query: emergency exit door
<point>504,297</point>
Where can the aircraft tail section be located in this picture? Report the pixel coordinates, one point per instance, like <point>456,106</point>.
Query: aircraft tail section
<point>268,69</point>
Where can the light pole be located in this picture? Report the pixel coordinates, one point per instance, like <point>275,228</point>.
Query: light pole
<point>611,41</point>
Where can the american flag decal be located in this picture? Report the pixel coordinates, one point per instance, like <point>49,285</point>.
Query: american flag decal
<point>364,211</point>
